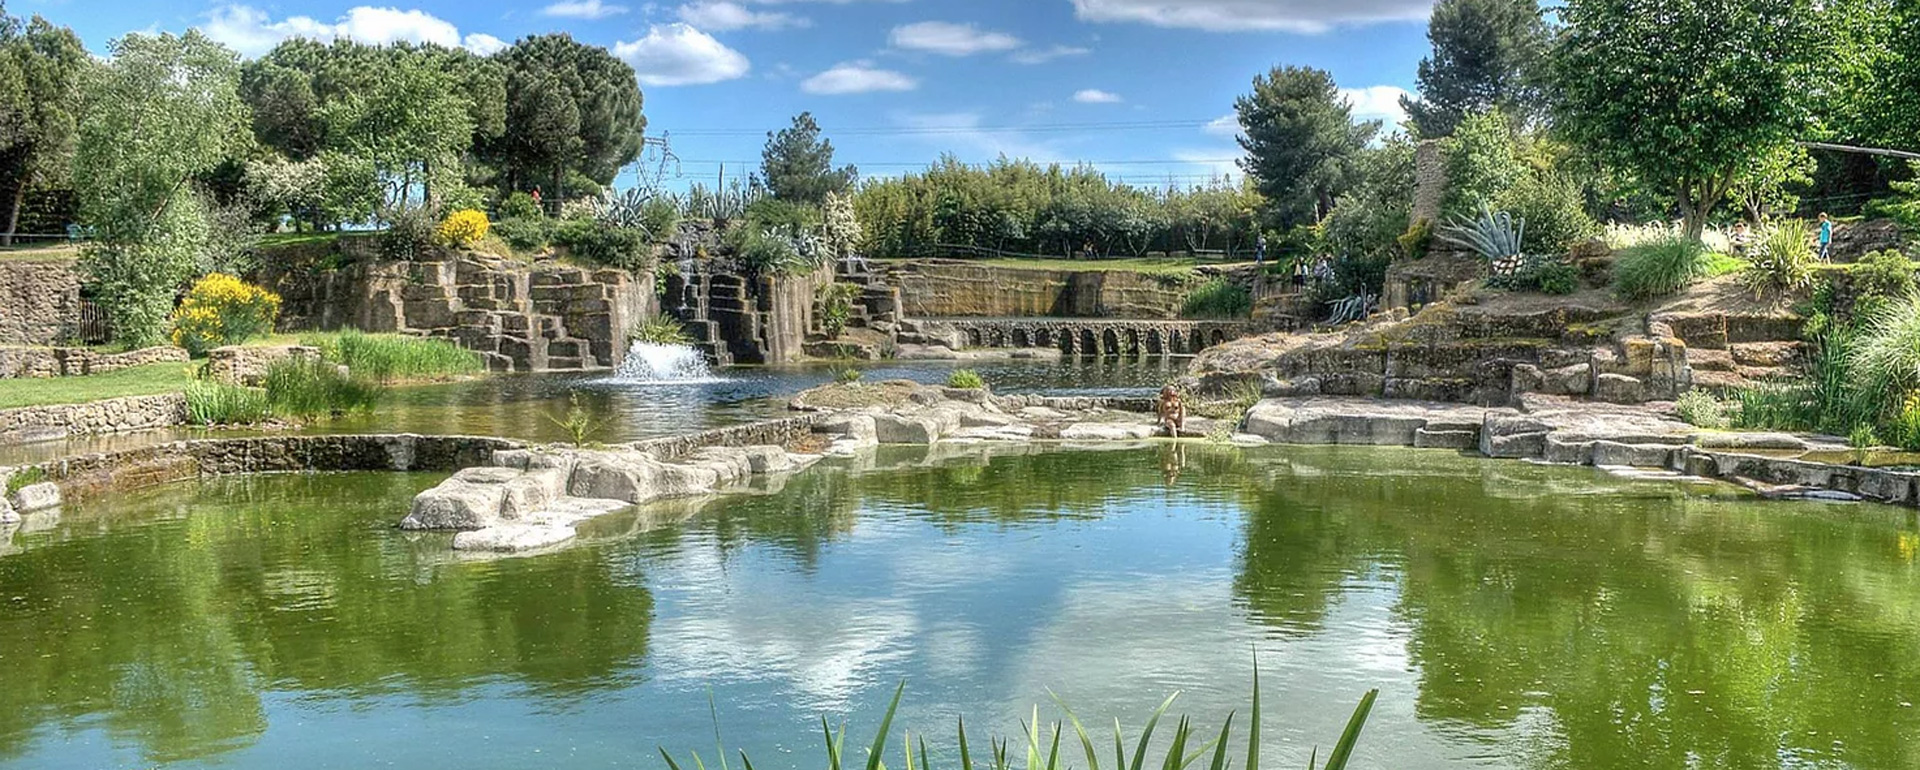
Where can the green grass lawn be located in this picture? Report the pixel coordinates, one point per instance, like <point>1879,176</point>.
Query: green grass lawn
<point>1148,265</point>
<point>40,253</point>
<point>152,379</point>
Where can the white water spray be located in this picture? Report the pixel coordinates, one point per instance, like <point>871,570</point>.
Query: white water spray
<point>648,362</point>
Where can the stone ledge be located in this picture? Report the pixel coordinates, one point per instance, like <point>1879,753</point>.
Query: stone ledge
<point>114,415</point>
<point>38,363</point>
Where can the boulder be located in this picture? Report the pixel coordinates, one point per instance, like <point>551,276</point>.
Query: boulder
<point>471,499</point>
<point>512,538</point>
<point>36,497</point>
<point>1107,431</point>
<point>905,429</point>
<point>625,476</point>
<point>1619,389</point>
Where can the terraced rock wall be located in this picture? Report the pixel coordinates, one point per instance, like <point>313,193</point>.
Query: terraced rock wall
<point>955,289</point>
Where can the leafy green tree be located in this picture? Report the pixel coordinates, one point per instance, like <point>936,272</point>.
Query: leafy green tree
<point>1485,56</point>
<point>1482,161</point>
<point>1301,142</point>
<point>414,124</point>
<point>161,112</point>
<point>797,165</point>
<point>573,112</point>
<point>40,66</point>
<point>1668,93</point>
<point>1766,183</point>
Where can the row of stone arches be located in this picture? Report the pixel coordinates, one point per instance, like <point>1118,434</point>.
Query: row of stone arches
<point>1097,339</point>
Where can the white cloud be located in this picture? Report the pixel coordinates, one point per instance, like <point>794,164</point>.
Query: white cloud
<point>949,39</point>
<point>1303,16</point>
<point>1225,125</point>
<point>583,9</point>
<point>1044,55</point>
<point>1380,103</point>
<point>1096,96</point>
<point>721,16</point>
<point>679,55</point>
<point>252,32</point>
<point>857,77</point>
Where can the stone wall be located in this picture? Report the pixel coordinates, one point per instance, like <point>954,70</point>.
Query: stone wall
<point>243,365</point>
<point>37,362</point>
<point>519,316</point>
<point>95,474</point>
<point>39,302</point>
<point>779,432</point>
<point>955,289</point>
<point>1088,336</point>
<point>117,415</point>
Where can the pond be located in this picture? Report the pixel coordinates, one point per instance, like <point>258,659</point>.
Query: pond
<point>1512,615</point>
<point>527,406</point>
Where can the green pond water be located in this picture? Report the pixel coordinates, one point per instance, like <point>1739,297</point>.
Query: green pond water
<point>1512,615</point>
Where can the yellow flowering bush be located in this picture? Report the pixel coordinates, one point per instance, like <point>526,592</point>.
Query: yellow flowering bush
<point>223,310</point>
<point>463,228</point>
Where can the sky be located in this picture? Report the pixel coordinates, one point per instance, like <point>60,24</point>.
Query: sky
<point>1143,89</point>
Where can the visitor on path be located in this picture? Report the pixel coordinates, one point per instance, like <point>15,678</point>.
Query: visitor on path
<point>1300,271</point>
<point>1742,236</point>
<point>1826,236</point>
<point>1260,251</point>
<point>1323,270</point>
<point>1172,412</point>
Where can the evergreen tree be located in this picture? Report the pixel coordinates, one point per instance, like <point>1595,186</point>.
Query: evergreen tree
<point>573,117</point>
<point>1485,53</point>
<point>797,165</point>
<point>1301,142</point>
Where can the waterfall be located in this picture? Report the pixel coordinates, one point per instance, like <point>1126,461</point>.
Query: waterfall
<point>648,362</point>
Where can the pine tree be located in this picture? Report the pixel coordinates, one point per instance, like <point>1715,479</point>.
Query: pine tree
<point>797,165</point>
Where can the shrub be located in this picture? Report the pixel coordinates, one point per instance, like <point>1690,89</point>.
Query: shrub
<point>1553,209</point>
<point>848,376</point>
<point>521,205</point>
<point>223,310</point>
<point>1783,259</point>
<point>1882,274</point>
<point>217,403</point>
<point>836,307</point>
<point>965,378</point>
<point>409,231</point>
<point>1218,298</point>
<point>772,252</point>
<point>462,229</point>
<point>595,243</point>
<point>1698,407</point>
<point>1418,239</point>
<point>1905,429</point>
<point>1889,347</point>
<point>1544,274</point>
<point>660,330</point>
<point>788,216</point>
<point>525,234</point>
<point>306,388</point>
<point>1658,267</point>
<point>394,357</point>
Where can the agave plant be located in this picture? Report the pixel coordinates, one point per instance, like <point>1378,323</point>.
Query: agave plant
<point>1352,307</point>
<point>1494,236</point>
<point>624,208</point>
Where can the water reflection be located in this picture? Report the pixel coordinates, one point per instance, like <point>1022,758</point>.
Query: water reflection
<point>1514,615</point>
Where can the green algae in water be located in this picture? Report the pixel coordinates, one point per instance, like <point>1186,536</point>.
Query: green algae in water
<point>1512,615</point>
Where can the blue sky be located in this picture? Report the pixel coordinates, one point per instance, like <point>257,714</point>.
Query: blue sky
<point>1135,86</point>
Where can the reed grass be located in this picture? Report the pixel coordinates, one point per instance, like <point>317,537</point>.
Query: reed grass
<point>305,388</point>
<point>1042,744</point>
<point>395,357</point>
<point>217,403</point>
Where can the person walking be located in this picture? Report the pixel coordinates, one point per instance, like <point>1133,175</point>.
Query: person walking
<point>1826,237</point>
<point>1260,251</point>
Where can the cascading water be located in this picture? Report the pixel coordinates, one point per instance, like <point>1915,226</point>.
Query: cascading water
<point>649,362</point>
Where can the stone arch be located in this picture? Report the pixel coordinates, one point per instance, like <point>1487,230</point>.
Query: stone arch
<point>1155,344</point>
<point>1042,338</point>
<point>1110,342</point>
<point>974,338</point>
<point>1219,336</point>
<point>1089,344</point>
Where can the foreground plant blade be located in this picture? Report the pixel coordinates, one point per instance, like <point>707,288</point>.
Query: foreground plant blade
<point>1140,749</point>
<point>1343,750</point>
<point>886,723</point>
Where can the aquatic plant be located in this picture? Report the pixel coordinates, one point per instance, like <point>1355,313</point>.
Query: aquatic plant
<point>1043,743</point>
<point>660,330</point>
<point>967,379</point>
<point>579,422</point>
<point>395,357</point>
<point>24,478</point>
<point>218,403</point>
<point>848,376</point>
<point>307,388</point>
<point>1218,298</point>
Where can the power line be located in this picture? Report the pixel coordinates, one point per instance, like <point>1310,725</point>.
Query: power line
<point>927,163</point>
<point>1150,125</point>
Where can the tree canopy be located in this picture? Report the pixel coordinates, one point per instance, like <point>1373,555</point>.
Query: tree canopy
<point>1301,142</point>
<point>797,164</point>
<point>572,112</point>
<point>1661,89</point>
<point>40,68</point>
<point>1485,53</point>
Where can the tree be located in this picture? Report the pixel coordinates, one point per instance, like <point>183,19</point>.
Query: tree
<point>1485,53</point>
<point>1766,183</point>
<point>1482,163</point>
<point>797,165</point>
<point>162,112</point>
<point>40,66</point>
<point>414,124</point>
<point>572,111</point>
<point>1664,91</point>
<point>1300,140</point>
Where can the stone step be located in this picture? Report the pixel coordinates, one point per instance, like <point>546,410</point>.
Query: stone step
<point>1709,360</point>
<point>1767,353</point>
<point>567,348</point>
<point>566,363</point>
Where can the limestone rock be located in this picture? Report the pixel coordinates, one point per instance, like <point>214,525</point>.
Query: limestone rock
<point>471,499</point>
<point>1106,431</point>
<point>1619,389</point>
<point>36,497</point>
